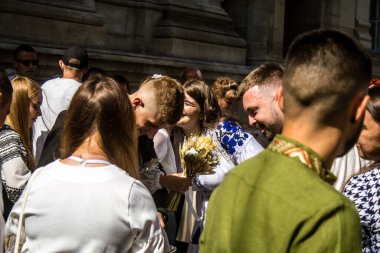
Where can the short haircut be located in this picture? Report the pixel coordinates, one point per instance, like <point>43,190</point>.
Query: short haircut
<point>325,70</point>
<point>22,48</point>
<point>225,88</point>
<point>123,81</point>
<point>93,72</point>
<point>5,85</point>
<point>169,97</point>
<point>203,95</point>
<point>191,74</point>
<point>261,76</point>
<point>5,88</point>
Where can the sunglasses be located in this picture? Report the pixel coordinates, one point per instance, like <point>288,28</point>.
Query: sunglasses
<point>28,62</point>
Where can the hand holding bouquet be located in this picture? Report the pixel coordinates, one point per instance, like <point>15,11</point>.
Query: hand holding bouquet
<point>198,157</point>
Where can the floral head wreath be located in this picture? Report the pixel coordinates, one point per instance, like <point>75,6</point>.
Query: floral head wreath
<point>156,76</point>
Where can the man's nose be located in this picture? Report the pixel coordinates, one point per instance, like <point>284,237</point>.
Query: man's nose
<point>252,121</point>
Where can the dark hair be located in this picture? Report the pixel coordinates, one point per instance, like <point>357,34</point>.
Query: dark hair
<point>123,82</point>
<point>203,95</point>
<point>191,74</point>
<point>102,105</point>
<point>92,73</point>
<point>373,106</point>
<point>23,48</point>
<point>5,87</point>
<point>324,69</point>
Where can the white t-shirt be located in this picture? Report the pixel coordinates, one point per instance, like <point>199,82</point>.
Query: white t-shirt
<point>57,94</point>
<point>346,166</point>
<point>87,209</point>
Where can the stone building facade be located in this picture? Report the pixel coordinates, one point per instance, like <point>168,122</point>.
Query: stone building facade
<point>137,38</point>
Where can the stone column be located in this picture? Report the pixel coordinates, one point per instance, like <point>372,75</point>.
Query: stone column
<point>197,30</point>
<point>265,28</point>
<point>362,23</point>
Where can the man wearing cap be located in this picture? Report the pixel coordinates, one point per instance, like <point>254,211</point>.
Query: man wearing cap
<point>57,94</point>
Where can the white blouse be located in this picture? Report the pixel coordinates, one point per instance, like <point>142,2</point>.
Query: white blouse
<point>87,209</point>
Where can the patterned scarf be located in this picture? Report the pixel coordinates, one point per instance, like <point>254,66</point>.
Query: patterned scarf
<point>305,155</point>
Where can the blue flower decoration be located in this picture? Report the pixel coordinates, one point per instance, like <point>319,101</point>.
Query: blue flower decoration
<point>231,135</point>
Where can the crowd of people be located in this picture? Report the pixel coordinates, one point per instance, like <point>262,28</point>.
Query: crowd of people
<point>89,166</point>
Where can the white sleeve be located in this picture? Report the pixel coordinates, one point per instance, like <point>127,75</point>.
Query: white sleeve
<point>40,133</point>
<point>238,146</point>
<point>144,223</point>
<point>14,175</point>
<point>164,151</point>
<point>14,171</point>
<point>11,228</point>
<point>251,148</point>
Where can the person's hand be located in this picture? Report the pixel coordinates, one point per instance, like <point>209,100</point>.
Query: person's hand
<point>161,219</point>
<point>150,178</point>
<point>176,182</point>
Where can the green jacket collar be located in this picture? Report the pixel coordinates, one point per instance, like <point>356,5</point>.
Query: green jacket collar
<point>305,155</point>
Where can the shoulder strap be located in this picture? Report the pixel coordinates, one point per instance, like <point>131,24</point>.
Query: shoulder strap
<point>21,218</point>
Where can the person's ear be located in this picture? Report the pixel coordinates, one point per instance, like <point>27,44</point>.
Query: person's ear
<point>359,108</point>
<point>61,64</point>
<point>137,102</point>
<point>280,98</point>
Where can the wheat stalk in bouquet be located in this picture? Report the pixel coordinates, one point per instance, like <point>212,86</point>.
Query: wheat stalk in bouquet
<point>198,157</point>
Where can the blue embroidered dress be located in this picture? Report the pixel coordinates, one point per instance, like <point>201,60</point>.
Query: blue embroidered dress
<point>235,145</point>
<point>364,191</point>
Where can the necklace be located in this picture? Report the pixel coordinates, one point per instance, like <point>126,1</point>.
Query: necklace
<point>84,162</point>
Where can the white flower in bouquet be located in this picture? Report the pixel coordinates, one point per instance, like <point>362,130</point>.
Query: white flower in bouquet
<point>198,157</point>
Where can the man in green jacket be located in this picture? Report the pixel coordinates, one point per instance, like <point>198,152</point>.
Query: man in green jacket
<point>282,200</point>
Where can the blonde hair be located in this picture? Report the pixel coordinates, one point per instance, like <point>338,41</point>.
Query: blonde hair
<point>24,90</point>
<point>168,95</point>
<point>226,89</point>
<point>262,76</point>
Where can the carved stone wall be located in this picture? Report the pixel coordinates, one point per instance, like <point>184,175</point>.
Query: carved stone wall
<point>141,37</point>
<point>133,38</point>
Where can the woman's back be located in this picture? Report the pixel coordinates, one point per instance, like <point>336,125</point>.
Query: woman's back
<point>88,209</point>
<point>83,203</point>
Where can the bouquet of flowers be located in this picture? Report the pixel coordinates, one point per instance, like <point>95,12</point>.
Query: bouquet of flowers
<point>198,157</point>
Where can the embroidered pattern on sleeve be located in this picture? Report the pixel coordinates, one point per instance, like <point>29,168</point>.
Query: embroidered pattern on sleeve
<point>12,149</point>
<point>231,136</point>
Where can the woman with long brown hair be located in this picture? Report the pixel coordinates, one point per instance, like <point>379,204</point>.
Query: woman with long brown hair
<point>91,200</point>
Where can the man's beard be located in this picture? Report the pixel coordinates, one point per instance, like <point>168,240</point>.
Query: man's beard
<point>275,126</point>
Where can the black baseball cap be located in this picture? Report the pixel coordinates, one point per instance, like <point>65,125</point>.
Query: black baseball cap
<point>75,57</point>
